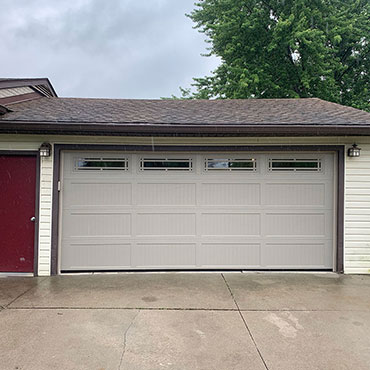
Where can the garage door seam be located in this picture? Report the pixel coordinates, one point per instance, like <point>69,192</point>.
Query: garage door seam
<point>245,322</point>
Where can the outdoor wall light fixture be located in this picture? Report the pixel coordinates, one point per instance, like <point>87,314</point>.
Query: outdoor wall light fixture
<point>45,150</point>
<point>354,151</point>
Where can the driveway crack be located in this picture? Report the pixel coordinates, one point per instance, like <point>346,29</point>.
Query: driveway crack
<point>245,323</point>
<point>125,340</point>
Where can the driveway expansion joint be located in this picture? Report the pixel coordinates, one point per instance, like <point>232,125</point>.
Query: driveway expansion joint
<point>175,309</point>
<point>22,294</point>
<point>245,322</point>
<point>122,308</point>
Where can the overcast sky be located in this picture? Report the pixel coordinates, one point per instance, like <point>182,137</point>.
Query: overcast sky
<point>103,48</point>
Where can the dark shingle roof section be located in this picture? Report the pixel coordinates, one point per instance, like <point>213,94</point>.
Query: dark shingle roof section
<point>4,110</point>
<point>249,112</point>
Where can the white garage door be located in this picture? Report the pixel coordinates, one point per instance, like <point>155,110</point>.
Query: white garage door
<point>196,211</point>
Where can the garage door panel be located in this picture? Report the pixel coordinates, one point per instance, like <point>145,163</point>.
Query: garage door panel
<point>230,224</point>
<point>164,254</point>
<point>230,194</point>
<point>104,256</point>
<point>166,224</point>
<point>297,194</point>
<point>229,254</point>
<point>97,224</point>
<point>83,193</point>
<point>168,194</point>
<point>285,224</point>
<point>289,254</point>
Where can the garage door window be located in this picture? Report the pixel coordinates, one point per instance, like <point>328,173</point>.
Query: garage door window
<point>219,164</point>
<point>166,164</point>
<point>101,164</point>
<point>295,164</point>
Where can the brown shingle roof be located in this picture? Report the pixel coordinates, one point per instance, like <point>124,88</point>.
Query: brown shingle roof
<point>187,112</point>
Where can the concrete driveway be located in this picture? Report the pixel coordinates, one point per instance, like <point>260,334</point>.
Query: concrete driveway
<point>185,321</point>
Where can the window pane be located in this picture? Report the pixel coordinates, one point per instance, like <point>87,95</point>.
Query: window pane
<point>230,164</point>
<point>235,164</point>
<point>166,164</point>
<point>99,164</point>
<point>295,165</point>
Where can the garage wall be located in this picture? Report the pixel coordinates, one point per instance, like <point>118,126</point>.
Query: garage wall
<point>357,212</point>
<point>357,185</point>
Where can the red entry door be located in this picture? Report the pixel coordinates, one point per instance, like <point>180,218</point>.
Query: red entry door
<point>17,207</point>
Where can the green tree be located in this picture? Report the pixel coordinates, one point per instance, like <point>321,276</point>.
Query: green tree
<point>286,48</point>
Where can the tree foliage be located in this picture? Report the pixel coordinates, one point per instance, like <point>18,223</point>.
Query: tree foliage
<point>286,48</point>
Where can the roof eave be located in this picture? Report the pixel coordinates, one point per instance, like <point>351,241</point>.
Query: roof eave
<point>165,129</point>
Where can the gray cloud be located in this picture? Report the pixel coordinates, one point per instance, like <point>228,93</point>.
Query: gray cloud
<point>97,48</point>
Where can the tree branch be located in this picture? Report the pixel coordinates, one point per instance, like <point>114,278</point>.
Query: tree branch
<point>289,54</point>
<point>345,54</point>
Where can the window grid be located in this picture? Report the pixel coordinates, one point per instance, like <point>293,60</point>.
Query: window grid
<point>166,164</point>
<point>295,164</point>
<point>101,164</point>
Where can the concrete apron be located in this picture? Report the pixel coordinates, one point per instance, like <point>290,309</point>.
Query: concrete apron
<point>186,321</point>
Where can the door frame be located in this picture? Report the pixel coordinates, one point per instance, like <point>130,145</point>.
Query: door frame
<point>36,154</point>
<point>339,150</point>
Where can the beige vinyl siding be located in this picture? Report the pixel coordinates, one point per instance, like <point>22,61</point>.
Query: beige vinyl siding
<point>46,186</point>
<point>5,93</point>
<point>357,213</point>
<point>17,141</point>
<point>357,183</point>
